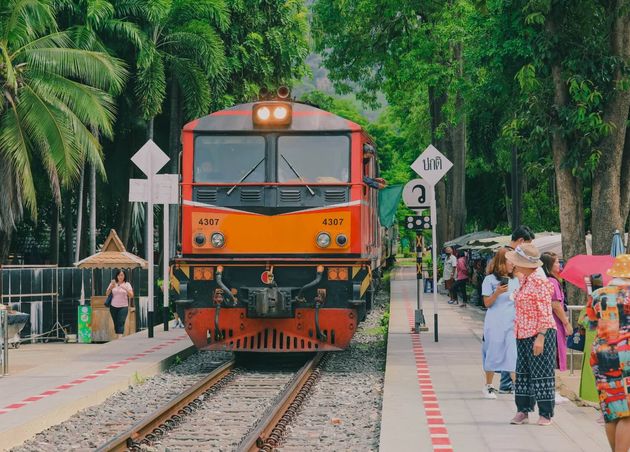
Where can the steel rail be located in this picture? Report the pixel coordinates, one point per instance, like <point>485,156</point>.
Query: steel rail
<point>162,416</point>
<point>257,437</point>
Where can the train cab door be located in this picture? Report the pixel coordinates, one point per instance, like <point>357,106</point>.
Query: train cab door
<point>370,169</point>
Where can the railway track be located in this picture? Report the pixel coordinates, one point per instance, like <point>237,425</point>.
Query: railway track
<point>233,408</point>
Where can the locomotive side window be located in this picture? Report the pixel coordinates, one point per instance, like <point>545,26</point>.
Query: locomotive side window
<point>313,159</point>
<point>228,159</point>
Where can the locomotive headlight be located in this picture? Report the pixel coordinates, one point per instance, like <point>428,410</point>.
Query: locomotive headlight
<point>271,114</point>
<point>323,240</point>
<point>263,113</point>
<point>200,239</point>
<point>217,240</point>
<point>280,113</point>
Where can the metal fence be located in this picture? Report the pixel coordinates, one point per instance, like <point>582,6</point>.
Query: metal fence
<point>51,295</point>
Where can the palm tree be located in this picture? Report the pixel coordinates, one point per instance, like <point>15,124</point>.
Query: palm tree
<point>91,22</point>
<point>184,54</point>
<point>183,45</point>
<point>54,93</point>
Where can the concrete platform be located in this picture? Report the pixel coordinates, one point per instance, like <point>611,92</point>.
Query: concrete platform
<point>48,383</point>
<point>432,395</point>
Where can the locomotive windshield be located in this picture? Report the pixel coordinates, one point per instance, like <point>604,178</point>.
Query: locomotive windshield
<point>228,159</point>
<point>313,159</point>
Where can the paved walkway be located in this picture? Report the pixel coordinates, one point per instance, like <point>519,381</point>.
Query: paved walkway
<point>432,397</point>
<point>48,383</point>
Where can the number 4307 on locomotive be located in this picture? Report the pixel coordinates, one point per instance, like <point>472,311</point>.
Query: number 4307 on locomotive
<point>279,231</point>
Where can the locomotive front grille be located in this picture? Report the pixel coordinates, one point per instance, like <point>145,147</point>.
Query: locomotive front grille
<point>251,195</point>
<point>331,195</point>
<point>206,195</point>
<point>268,339</point>
<point>290,195</point>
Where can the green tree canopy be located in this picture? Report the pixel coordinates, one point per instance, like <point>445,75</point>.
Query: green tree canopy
<point>54,92</point>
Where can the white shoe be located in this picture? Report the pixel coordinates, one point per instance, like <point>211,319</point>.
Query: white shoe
<point>489,392</point>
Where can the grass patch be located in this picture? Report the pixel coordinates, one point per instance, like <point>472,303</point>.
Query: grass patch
<point>138,379</point>
<point>385,322</point>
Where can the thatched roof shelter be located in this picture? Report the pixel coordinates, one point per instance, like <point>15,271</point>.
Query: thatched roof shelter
<point>112,255</point>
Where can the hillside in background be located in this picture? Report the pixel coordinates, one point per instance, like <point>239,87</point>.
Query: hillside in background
<point>319,81</point>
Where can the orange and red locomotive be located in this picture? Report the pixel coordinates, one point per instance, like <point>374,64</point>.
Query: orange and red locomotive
<point>279,229</point>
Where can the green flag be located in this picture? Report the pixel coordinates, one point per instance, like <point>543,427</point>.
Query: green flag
<point>388,199</point>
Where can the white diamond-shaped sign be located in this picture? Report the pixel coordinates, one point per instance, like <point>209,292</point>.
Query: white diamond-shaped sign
<point>150,158</point>
<point>431,165</point>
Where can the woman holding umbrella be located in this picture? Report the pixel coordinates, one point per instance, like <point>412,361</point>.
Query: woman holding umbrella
<point>608,311</point>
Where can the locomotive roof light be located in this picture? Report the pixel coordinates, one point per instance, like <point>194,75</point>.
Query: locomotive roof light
<point>283,92</point>
<point>323,240</point>
<point>272,114</point>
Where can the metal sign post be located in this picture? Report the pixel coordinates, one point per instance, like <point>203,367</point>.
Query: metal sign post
<point>156,189</point>
<point>165,278</point>
<point>167,193</point>
<point>419,223</point>
<point>420,323</point>
<point>416,195</point>
<point>432,165</point>
<point>435,258</point>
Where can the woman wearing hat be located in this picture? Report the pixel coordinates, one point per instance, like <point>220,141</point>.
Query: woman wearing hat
<point>535,331</point>
<point>608,311</point>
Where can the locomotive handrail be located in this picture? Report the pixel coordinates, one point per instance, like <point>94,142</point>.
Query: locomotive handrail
<point>226,291</point>
<point>316,281</point>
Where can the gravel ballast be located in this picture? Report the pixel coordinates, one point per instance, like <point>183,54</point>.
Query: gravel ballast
<point>343,411</point>
<point>93,426</point>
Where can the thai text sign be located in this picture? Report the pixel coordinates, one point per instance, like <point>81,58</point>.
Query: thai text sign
<point>431,165</point>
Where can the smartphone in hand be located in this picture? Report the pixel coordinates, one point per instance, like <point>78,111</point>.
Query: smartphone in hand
<point>504,281</point>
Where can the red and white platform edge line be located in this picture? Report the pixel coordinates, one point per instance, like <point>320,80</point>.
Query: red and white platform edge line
<point>89,377</point>
<point>437,427</point>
